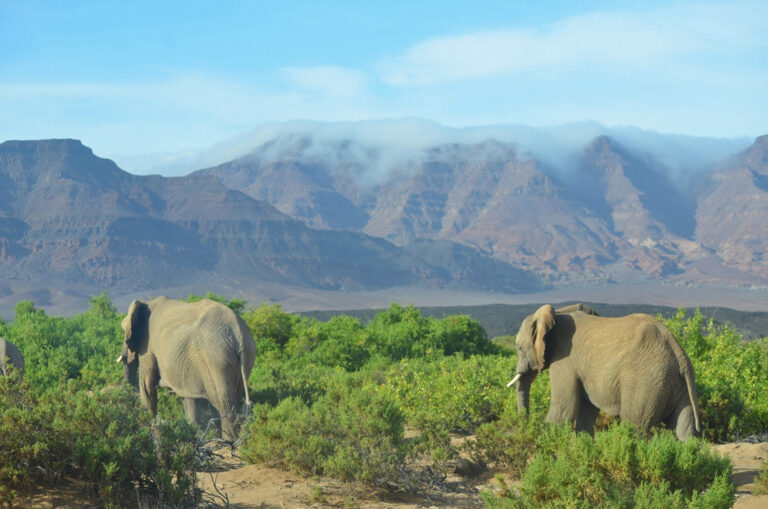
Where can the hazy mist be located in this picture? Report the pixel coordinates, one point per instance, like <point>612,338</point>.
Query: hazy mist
<point>375,148</point>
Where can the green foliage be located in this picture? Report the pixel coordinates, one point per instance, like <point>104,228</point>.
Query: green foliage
<point>270,325</point>
<point>236,305</point>
<point>56,349</point>
<point>351,432</point>
<point>451,392</point>
<point>401,332</point>
<point>103,438</point>
<point>761,480</point>
<point>27,440</point>
<point>334,397</point>
<point>621,468</point>
<point>508,442</point>
<point>72,416</point>
<point>731,377</point>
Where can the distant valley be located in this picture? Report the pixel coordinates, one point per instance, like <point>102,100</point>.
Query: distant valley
<point>300,215</point>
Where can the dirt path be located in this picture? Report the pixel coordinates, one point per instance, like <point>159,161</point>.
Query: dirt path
<point>746,458</point>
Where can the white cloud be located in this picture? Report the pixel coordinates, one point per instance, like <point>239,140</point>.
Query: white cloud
<point>620,38</point>
<point>330,80</point>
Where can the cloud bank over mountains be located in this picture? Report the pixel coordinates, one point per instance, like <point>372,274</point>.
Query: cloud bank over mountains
<point>379,147</point>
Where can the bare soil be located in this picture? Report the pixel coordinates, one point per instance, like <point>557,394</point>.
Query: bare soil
<point>265,487</point>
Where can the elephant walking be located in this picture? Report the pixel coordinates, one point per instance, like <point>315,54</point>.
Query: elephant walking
<point>631,367</point>
<point>9,354</point>
<point>201,351</point>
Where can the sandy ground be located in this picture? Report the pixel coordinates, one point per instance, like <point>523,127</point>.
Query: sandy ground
<point>262,487</point>
<point>253,486</point>
<point>746,458</point>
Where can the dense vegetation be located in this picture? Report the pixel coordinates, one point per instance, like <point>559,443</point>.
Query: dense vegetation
<point>375,402</point>
<point>504,319</point>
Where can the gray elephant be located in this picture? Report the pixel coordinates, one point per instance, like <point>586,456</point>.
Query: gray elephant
<point>201,351</point>
<point>631,367</point>
<point>9,354</point>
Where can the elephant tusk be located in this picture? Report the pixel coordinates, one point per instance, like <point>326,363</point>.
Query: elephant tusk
<point>514,380</point>
<point>120,359</point>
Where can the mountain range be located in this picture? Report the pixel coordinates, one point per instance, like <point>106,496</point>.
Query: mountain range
<point>481,216</point>
<point>615,215</point>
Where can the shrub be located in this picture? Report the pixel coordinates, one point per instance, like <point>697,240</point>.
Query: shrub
<point>451,392</point>
<point>620,468</point>
<point>27,440</point>
<point>55,349</point>
<point>761,481</point>
<point>508,442</point>
<point>236,305</point>
<point>114,447</point>
<point>270,325</point>
<point>400,332</point>
<point>731,376</point>
<point>351,432</point>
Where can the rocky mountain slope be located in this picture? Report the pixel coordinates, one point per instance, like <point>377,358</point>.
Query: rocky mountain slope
<point>612,215</point>
<point>68,215</point>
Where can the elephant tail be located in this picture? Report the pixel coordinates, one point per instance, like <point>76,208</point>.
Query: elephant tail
<point>686,370</point>
<point>244,376</point>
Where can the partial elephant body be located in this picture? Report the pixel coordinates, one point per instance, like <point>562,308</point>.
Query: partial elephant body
<point>631,367</point>
<point>200,350</point>
<point>9,354</point>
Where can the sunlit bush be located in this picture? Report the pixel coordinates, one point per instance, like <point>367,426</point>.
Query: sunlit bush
<point>351,432</point>
<point>731,377</point>
<point>619,467</point>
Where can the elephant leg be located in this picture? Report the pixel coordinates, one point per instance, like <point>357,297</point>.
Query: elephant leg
<point>225,403</point>
<point>587,415</point>
<point>565,398</point>
<point>191,410</point>
<point>148,388</point>
<point>229,421</point>
<point>682,421</point>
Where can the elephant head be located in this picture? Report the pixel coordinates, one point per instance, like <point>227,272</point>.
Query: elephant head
<point>136,327</point>
<point>531,344</point>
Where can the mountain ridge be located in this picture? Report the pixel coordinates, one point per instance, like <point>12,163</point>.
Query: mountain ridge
<point>70,213</point>
<point>620,215</point>
<point>482,216</point>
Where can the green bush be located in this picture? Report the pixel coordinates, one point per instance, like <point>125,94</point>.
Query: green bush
<point>508,443</point>
<point>28,450</point>
<point>72,417</point>
<point>761,480</point>
<point>619,467</point>
<point>731,376</point>
<point>351,432</point>
<point>334,398</point>
<point>236,305</point>
<point>452,392</point>
<point>81,348</point>
<point>402,332</point>
<point>114,446</point>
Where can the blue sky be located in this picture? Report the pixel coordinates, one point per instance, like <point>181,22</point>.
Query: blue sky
<point>136,77</point>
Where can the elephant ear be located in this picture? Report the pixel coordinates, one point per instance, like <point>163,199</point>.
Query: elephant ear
<point>136,326</point>
<point>543,321</point>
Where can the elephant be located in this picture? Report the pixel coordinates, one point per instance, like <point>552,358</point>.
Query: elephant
<point>201,351</point>
<point>9,354</point>
<point>631,367</point>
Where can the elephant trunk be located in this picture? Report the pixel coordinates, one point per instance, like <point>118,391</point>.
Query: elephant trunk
<point>130,369</point>
<point>524,391</point>
<point>131,373</point>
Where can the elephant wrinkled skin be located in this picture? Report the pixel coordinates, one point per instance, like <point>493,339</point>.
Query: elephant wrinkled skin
<point>631,367</point>
<point>9,354</point>
<point>201,351</point>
